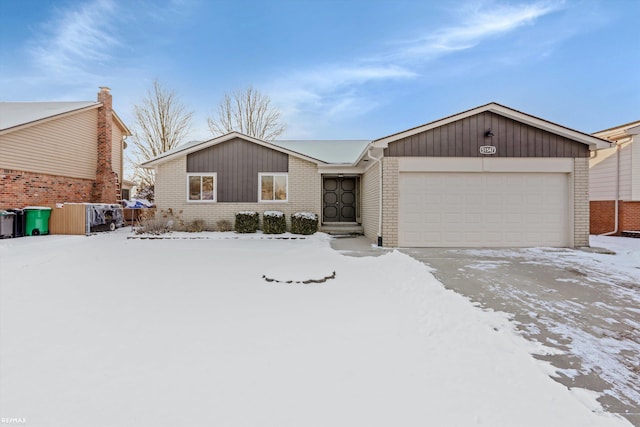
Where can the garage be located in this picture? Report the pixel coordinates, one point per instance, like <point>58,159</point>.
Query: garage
<point>488,177</point>
<point>445,209</point>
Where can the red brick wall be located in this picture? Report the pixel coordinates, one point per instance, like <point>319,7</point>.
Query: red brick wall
<point>19,189</point>
<point>104,189</point>
<point>602,216</point>
<point>630,216</point>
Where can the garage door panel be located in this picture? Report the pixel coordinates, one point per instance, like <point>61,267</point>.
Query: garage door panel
<point>483,209</point>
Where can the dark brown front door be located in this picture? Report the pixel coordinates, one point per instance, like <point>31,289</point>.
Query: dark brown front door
<point>339,200</point>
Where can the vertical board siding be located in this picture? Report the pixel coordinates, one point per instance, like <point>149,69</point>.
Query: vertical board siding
<point>464,137</point>
<point>237,163</point>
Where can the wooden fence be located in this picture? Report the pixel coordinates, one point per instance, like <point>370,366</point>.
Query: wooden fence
<point>68,218</point>
<point>71,218</point>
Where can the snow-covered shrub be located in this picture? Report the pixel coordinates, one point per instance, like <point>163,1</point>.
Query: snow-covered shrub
<point>304,223</point>
<point>247,222</point>
<point>196,226</point>
<point>274,222</point>
<point>223,225</point>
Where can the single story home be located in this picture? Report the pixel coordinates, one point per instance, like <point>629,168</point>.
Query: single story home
<point>614,181</point>
<point>491,176</point>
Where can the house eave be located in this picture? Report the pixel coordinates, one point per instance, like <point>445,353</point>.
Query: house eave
<point>120,123</point>
<point>591,141</point>
<point>220,139</point>
<point>48,119</point>
<point>340,169</point>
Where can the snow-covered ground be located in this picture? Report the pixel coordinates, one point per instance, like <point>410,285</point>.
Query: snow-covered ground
<point>594,315</point>
<point>105,330</point>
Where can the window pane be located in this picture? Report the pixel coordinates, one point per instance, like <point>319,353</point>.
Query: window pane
<point>267,187</point>
<point>207,188</point>
<point>194,188</point>
<point>281,187</point>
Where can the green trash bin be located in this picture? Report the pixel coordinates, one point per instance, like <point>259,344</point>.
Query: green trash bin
<point>37,220</point>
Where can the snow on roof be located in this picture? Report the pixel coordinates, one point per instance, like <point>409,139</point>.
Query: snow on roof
<point>14,114</point>
<point>329,151</point>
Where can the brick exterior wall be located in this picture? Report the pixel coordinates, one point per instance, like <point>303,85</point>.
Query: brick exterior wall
<point>602,213</point>
<point>369,202</point>
<point>105,188</point>
<point>630,216</point>
<point>390,177</point>
<point>581,202</point>
<point>305,187</point>
<point>602,218</point>
<point>19,189</point>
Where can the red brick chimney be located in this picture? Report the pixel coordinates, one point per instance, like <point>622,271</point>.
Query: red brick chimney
<point>104,188</point>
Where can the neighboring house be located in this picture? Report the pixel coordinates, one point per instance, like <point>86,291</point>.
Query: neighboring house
<point>487,177</point>
<point>614,174</point>
<point>55,152</point>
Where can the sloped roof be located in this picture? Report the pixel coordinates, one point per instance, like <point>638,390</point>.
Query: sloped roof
<point>14,114</point>
<point>590,140</point>
<point>193,146</point>
<point>329,151</point>
<point>618,132</point>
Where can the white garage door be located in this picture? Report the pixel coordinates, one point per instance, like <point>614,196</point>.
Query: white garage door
<point>483,209</point>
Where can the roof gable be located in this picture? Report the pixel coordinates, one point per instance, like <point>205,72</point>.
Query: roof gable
<point>14,114</point>
<point>619,132</point>
<point>584,138</point>
<point>17,115</point>
<point>467,136</point>
<point>194,146</point>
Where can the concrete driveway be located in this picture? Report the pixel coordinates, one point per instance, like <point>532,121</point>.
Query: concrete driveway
<point>581,307</point>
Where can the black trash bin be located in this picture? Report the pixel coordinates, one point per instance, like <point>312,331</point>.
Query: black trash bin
<point>18,222</point>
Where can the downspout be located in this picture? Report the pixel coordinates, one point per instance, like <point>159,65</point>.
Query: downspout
<point>615,231</point>
<point>378,160</point>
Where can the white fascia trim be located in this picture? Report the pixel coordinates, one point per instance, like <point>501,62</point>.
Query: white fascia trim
<point>592,141</point>
<point>340,169</point>
<point>225,138</point>
<point>49,118</point>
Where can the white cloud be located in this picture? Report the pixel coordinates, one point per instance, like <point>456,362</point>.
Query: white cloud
<point>328,92</point>
<point>77,39</point>
<point>477,23</point>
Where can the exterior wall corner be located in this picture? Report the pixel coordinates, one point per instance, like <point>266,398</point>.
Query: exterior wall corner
<point>390,177</point>
<point>581,202</point>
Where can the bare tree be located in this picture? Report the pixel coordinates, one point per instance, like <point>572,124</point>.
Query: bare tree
<point>161,124</point>
<point>247,111</point>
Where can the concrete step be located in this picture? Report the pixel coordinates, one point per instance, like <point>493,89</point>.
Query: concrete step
<point>342,229</point>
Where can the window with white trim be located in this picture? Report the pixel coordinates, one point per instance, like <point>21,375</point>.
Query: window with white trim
<point>273,187</point>
<point>202,187</point>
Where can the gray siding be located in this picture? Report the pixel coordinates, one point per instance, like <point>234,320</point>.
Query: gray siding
<point>237,163</point>
<point>463,138</point>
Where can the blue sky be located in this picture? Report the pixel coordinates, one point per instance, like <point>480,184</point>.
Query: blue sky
<point>345,69</point>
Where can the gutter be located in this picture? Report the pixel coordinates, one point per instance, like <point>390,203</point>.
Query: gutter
<point>379,161</point>
<point>617,199</point>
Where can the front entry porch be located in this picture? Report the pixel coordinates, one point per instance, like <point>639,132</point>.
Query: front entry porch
<point>340,196</point>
